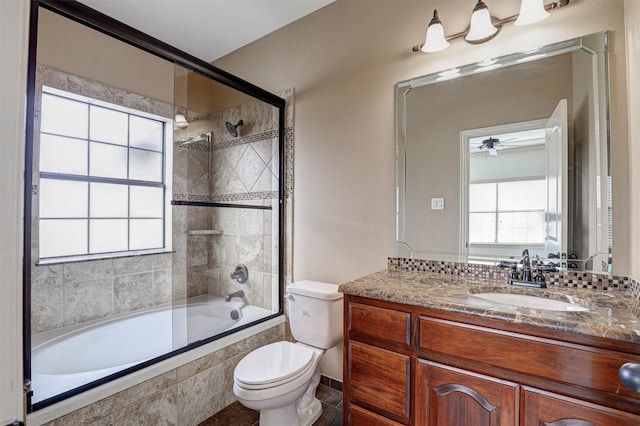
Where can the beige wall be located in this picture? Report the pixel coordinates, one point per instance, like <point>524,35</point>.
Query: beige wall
<point>68,46</point>
<point>632,22</point>
<point>343,61</point>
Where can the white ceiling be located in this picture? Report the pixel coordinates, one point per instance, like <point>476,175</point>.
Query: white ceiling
<point>207,29</point>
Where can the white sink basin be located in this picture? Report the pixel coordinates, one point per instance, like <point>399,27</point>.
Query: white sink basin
<point>531,302</point>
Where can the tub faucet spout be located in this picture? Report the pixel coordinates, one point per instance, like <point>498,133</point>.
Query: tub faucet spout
<point>230,296</point>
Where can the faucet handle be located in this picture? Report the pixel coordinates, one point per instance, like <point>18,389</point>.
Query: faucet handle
<point>514,273</point>
<point>240,274</point>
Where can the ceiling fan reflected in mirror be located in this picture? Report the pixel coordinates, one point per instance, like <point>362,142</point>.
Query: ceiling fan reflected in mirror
<point>490,145</point>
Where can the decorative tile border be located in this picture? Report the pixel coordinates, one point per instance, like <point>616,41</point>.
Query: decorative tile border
<point>242,140</point>
<point>574,279</point>
<point>265,195</point>
<point>288,160</point>
<point>244,196</point>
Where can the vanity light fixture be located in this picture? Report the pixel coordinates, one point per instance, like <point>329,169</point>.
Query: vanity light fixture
<point>531,11</point>
<point>481,28</point>
<point>484,27</point>
<point>435,40</point>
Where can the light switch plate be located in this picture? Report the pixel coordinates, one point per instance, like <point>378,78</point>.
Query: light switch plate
<point>437,204</point>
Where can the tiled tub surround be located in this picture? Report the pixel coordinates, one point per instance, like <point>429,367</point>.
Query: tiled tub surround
<point>184,395</point>
<point>71,293</point>
<point>612,314</point>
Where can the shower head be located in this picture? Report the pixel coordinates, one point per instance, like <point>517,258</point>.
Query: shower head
<point>233,128</point>
<point>205,137</point>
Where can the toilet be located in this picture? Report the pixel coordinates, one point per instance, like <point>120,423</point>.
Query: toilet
<point>280,379</point>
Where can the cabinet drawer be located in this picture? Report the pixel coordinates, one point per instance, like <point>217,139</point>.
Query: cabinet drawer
<point>550,359</point>
<point>361,417</point>
<point>547,409</point>
<point>379,379</point>
<point>380,323</point>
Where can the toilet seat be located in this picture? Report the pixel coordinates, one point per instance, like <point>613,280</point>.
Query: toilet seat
<point>273,365</point>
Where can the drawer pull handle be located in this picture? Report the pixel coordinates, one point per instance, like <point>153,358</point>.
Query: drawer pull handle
<point>629,374</point>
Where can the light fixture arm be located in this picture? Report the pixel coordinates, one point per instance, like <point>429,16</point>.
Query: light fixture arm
<point>496,22</point>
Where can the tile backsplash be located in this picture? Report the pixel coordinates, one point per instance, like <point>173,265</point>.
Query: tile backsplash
<point>575,279</point>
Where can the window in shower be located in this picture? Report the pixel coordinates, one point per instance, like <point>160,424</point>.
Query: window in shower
<point>102,186</point>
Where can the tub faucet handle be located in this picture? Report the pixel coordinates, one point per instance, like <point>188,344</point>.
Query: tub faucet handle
<point>240,274</point>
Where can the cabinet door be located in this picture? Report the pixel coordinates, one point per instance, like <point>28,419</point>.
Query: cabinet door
<point>378,380</point>
<point>447,396</point>
<point>547,409</point>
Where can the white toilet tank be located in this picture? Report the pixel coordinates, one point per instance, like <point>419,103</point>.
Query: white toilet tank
<point>315,313</point>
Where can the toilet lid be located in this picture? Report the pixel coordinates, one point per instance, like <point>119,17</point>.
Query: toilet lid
<point>273,363</point>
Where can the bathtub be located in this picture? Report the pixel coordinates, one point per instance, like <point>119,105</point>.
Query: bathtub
<point>70,357</point>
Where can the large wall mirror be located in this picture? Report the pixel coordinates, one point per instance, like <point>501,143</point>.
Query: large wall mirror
<point>507,154</point>
<point>157,202</point>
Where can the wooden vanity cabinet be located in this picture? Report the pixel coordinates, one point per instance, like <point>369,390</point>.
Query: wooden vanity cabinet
<point>406,365</point>
<point>378,360</point>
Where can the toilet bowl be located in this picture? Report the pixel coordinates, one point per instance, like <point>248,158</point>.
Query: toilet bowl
<point>280,379</point>
<point>274,377</point>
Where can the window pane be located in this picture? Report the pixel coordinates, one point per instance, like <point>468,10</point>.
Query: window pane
<point>108,160</point>
<point>482,227</point>
<point>521,228</point>
<point>146,234</point>
<point>521,195</point>
<point>146,202</point>
<point>108,235</point>
<point>62,237</point>
<point>108,200</point>
<point>64,116</point>
<point>482,197</point>
<point>63,155</point>
<point>108,125</point>
<point>63,198</point>
<point>145,133</point>
<point>145,165</point>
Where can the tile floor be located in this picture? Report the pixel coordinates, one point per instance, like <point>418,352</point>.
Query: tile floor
<point>329,393</point>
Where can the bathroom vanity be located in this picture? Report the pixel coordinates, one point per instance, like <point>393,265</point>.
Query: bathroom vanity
<point>424,349</point>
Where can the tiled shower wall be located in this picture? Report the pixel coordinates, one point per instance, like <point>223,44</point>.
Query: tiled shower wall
<point>235,170</point>
<point>64,294</point>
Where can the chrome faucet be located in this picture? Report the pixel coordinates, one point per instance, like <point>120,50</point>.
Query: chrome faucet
<point>527,279</point>
<point>230,296</point>
<point>526,265</point>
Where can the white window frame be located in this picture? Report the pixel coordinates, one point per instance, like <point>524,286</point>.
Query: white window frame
<point>496,212</point>
<point>465,136</point>
<point>165,184</point>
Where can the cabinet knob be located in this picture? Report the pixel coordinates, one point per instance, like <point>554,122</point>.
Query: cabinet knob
<point>629,374</point>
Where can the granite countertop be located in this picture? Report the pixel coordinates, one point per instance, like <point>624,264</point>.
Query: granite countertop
<point>611,314</point>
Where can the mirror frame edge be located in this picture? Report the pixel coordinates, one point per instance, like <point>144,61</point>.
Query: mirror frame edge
<point>403,88</point>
